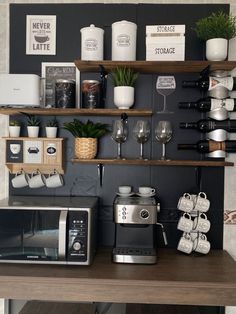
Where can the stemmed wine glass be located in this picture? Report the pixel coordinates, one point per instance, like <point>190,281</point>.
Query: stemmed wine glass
<point>163,133</point>
<point>119,134</point>
<point>165,86</point>
<point>141,133</point>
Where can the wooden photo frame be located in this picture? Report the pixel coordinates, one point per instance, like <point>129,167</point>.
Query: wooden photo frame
<point>50,72</point>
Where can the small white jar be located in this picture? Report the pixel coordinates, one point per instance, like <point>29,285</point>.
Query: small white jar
<point>124,35</point>
<point>92,43</point>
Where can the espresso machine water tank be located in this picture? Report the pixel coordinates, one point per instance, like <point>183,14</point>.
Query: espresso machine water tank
<point>136,230</point>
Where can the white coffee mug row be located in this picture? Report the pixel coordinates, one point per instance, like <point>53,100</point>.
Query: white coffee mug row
<point>191,202</point>
<point>37,180</point>
<point>200,244</point>
<point>199,224</point>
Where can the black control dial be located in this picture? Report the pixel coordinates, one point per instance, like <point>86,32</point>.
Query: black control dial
<point>144,214</point>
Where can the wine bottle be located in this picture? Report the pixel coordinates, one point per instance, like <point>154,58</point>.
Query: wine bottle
<point>208,104</point>
<point>211,82</point>
<point>208,125</point>
<point>210,146</point>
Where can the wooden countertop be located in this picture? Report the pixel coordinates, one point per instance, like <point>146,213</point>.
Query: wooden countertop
<point>175,279</point>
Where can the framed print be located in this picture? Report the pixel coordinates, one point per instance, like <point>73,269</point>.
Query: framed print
<point>50,72</point>
<point>33,152</point>
<point>41,34</point>
<point>14,151</point>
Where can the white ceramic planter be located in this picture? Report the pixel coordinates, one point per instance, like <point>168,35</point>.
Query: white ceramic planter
<point>123,96</point>
<point>33,131</point>
<point>51,131</point>
<point>216,49</point>
<point>14,131</point>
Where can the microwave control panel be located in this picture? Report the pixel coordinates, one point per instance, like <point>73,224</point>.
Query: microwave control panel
<point>78,236</point>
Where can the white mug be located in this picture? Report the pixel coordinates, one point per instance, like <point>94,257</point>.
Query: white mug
<point>185,243</point>
<point>185,223</point>
<point>37,180</point>
<point>54,180</point>
<point>124,189</point>
<point>201,244</point>
<point>202,203</point>
<point>185,203</point>
<point>20,180</point>
<point>201,223</point>
<point>146,190</point>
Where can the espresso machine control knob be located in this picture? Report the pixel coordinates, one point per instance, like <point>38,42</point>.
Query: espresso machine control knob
<point>76,245</point>
<point>144,214</point>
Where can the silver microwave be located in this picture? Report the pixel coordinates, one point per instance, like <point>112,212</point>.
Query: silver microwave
<point>40,229</point>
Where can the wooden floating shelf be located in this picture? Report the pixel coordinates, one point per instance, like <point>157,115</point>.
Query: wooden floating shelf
<point>30,168</point>
<point>149,67</point>
<point>195,163</point>
<point>72,112</point>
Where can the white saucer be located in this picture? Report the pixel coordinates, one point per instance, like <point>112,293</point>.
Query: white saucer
<point>146,195</point>
<point>125,195</point>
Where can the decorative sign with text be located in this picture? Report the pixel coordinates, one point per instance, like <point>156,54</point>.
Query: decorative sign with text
<point>41,34</point>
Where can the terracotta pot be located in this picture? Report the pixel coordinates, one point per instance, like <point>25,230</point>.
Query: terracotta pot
<point>85,148</point>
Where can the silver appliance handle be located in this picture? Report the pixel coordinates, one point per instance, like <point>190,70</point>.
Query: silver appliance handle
<point>163,232</point>
<point>62,235</point>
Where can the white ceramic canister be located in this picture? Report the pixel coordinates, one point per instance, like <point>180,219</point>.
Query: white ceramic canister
<point>124,35</point>
<point>92,43</point>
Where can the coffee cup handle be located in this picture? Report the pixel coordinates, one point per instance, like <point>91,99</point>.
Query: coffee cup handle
<point>202,215</point>
<point>153,191</point>
<point>202,194</point>
<point>187,195</point>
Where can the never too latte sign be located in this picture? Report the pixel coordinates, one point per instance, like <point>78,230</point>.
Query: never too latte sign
<point>41,34</point>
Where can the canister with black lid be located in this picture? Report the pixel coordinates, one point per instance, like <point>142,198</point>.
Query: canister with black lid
<point>65,93</point>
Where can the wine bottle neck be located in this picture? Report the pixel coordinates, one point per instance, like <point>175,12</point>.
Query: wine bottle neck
<point>188,125</point>
<point>187,146</point>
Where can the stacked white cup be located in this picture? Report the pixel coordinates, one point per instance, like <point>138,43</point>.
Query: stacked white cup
<point>194,223</point>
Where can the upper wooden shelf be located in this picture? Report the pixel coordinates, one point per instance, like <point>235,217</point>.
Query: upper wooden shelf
<point>148,162</point>
<point>156,66</point>
<point>75,111</point>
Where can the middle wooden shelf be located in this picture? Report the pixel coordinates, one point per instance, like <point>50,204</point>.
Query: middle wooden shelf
<point>76,111</point>
<point>155,162</point>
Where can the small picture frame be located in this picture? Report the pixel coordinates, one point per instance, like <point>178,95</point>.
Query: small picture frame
<point>14,151</point>
<point>50,72</point>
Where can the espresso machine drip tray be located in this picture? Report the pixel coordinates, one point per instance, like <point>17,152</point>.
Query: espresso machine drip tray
<point>134,255</point>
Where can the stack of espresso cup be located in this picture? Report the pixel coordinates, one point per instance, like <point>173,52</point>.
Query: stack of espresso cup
<point>194,223</point>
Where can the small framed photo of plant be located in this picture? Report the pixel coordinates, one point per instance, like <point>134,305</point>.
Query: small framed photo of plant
<point>50,73</point>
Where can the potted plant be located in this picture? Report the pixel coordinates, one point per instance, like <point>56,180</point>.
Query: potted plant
<point>216,30</point>
<point>14,128</point>
<point>124,80</point>
<point>86,137</point>
<point>51,128</point>
<point>33,124</point>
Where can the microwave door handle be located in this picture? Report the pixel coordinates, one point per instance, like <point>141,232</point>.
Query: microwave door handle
<point>62,235</point>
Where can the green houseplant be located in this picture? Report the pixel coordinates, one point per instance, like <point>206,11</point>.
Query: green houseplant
<point>216,30</point>
<point>124,80</point>
<point>33,124</point>
<point>86,136</point>
<point>51,128</point>
<point>14,128</point>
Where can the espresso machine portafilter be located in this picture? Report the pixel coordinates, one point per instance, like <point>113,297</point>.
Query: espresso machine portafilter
<point>136,230</point>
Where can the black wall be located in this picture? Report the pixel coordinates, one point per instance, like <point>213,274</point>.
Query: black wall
<point>170,182</point>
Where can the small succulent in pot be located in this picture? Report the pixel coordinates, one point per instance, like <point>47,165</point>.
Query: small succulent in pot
<point>14,128</point>
<point>33,124</point>
<point>51,128</point>
<point>124,80</point>
<point>86,136</point>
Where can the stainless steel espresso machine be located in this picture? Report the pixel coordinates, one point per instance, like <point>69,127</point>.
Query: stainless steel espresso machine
<point>136,230</point>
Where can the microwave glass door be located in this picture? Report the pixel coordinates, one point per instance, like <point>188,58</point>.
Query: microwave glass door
<point>29,234</point>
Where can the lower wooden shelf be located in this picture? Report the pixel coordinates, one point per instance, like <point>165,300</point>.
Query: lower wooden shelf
<point>148,162</point>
